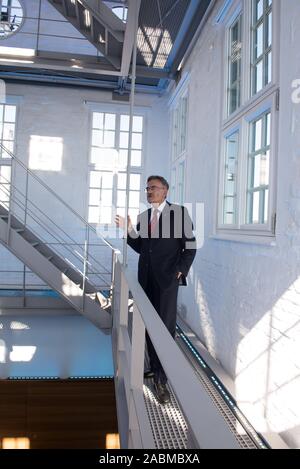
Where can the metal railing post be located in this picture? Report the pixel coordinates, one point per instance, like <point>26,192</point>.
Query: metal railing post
<point>85,265</point>
<point>10,201</point>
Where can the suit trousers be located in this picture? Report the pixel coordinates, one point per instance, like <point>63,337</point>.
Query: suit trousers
<point>165,303</point>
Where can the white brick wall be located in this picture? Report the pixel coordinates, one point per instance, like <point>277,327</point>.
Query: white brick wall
<point>243,300</point>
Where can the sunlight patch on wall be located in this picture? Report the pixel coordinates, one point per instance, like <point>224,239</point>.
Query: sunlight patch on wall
<point>22,353</point>
<point>267,368</point>
<point>45,153</point>
<point>2,351</point>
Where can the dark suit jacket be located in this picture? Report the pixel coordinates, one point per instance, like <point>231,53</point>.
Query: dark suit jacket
<point>170,249</point>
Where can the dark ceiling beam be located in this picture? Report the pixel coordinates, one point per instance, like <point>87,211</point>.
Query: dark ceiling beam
<point>77,64</point>
<point>13,76</point>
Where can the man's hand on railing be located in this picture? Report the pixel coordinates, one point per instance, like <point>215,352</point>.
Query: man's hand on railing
<point>120,222</point>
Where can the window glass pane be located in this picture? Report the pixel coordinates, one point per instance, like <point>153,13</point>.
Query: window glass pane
<point>104,157</point>
<point>105,215</point>
<point>257,135</point>
<point>122,181</point>
<point>269,35</point>
<point>136,158</point>
<point>124,139</point>
<point>255,208</point>
<point>123,157</point>
<point>110,121</point>
<point>134,199</point>
<point>94,214</point>
<point>137,141</point>
<point>268,77</point>
<point>259,8</point>
<point>106,180</point>
<point>259,77</point>
<point>135,182</point>
<point>266,207</point>
<point>98,120</point>
<point>229,209</point>
<point>8,131</point>
<point>95,179</point>
<point>138,124</point>
<point>8,148</point>
<point>5,174</point>
<point>231,158</point>
<point>234,70</point>
<point>109,139</point>
<point>261,45</point>
<point>259,170</point>
<point>97,138</point>
<point>10,113</point>
<point>124,125</point>
<point>94,197</point>
<point>268,129</point>
<point>258,41</point>
<point>106,197</point>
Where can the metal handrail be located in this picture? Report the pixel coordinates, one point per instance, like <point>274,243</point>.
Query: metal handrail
<point>54,194</point>
<point>207,427</point>
<point>41,223</point>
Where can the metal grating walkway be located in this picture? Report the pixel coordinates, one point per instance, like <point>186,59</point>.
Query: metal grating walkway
<point>168,425</point>
<point>167,422</point>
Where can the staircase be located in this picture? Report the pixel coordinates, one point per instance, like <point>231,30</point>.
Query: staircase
<point>68,264</point>
<point>95,21</point>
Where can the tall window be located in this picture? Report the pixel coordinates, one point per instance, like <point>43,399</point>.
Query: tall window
<point>261,44</point>
<point>179,143</point>
<point>235,63</point>
<point>7,129</point>
<point>7,139</point>
<point>259,170</point>
<point>230,179</point>
<point>108,161</point>
<point>247,162</point>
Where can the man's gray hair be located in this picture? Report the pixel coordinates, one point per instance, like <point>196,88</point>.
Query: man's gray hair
<point>163,181</point>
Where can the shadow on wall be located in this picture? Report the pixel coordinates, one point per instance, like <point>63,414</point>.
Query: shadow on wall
<point>251,325</point>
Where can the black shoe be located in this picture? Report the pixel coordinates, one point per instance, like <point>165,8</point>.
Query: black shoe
<point>148,374</point>
<point>162,393</point>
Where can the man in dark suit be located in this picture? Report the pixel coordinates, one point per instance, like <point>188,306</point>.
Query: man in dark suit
<point>166,244</point>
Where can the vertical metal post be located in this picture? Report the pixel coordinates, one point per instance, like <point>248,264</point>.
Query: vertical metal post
<point>26,197</point>
<point>137,350</point>
<point>10,200</point>
<point>132,95</point>
<point>24,285</point>
<point>85,264</point>
<point>25,222</point>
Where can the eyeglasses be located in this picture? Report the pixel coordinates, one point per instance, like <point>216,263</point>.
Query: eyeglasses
<point>153,188</point>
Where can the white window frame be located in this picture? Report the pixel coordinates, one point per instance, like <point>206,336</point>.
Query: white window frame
<point>251,105</point>
<point>179,160</point>
<point>118,109</point>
